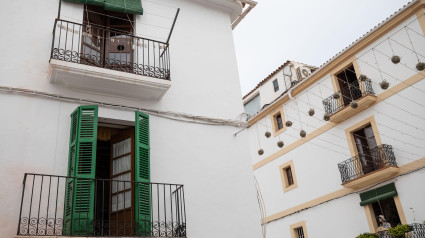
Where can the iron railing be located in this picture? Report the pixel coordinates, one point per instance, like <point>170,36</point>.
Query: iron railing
<point>417,230</point>
<point>349,93</point>
<point>108,208</point>
<point>379,157</point>
<point>109,48</point>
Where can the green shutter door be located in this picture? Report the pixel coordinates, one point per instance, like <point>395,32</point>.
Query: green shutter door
<point>79,198</point>
<point>142,174</point>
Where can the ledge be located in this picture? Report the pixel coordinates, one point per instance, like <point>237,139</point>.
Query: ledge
<point>372,178</point>
<point>106,81</point>
<point>347,112</point>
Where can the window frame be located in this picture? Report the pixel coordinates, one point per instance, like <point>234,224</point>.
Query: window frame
<point>284,176</point>
<point>296,226</point>
<point>342,67</point>
<point>349,132</point>
<point>273,119</point>
<point>276,85</point>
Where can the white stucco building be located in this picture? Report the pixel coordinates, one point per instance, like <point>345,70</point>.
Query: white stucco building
<point>96,95</point>
<point>347,143</point>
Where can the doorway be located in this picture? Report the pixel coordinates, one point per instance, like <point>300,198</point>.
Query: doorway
<point>365,145</point>
<point>388,209</point>
<point>349,85</point>
<point>107,40</point>
<point>114,174</point>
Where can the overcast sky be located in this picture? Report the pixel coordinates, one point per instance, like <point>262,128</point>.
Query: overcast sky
<point>307,31</point>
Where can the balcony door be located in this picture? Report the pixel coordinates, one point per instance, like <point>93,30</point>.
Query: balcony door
<point>366,148</point>
<point>349,85</point>
<point>107,39</point>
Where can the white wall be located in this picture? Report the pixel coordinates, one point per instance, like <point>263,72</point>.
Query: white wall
<point>211,163</point>
<point>400,119</point>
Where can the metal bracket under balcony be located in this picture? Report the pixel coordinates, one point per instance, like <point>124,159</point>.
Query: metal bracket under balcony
<point>364,170</point>
<point>340,109</point>
<point>104,61</point>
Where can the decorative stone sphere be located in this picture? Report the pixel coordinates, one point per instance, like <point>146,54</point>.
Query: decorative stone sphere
<point>280,144</point>
<point>420,66</point>
<point>336,95</point>
<point>395,59</point>
<point>268,134</point>
<point>288,123</point>
<point>311,112</point>
<point>362,77</point>
<point>303,133</point>
<point>326,117</point>
<point>384,84</point>
<point>260,152</point>
<point>354,104</point>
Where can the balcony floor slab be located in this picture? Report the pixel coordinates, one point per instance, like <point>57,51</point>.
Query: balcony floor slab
<point>347,112</point>
<point>372,178</point>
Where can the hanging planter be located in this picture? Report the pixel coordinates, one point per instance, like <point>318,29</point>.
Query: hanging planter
<point>384,84</point>
<point>268,134</point>
<point>326,117</point>
<point>362,78</point>
<point>354,104</point>
<point>311,112</point>
<point>336,95</point>
<point>260,152</point>
<point>420,66</point>
<point>303,133</point>
<point>288,123</point>
<point>280,144</point>
<point>395,59</point>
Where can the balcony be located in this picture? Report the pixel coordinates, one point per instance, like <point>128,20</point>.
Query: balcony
<point>364,170</point>
<point>417,230</point>
<point>102,207</point>
<point>102,60</point>
<point>339,109</point>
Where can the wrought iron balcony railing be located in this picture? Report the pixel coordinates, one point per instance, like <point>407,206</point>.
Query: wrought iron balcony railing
<point>378,158</point>
<point>110,49</point>
<point>347,94</point>
<point>68,206</point>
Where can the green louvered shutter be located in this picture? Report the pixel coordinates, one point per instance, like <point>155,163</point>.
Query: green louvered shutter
<point>142,174</point>
<point>79,197</point>
<point>91,2</point>
<point>127,6</point>
<point>378,194</point>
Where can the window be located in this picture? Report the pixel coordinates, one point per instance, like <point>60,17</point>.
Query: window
<point>253,105</point>
<point>278,118</point>
<point>279,121</point>
<point>289,177</point>
<point>348,85</point>
<point>287,174</point>
<point>276,85</point>
<point>299,230</point>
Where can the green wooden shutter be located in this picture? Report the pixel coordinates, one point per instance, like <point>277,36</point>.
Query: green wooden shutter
<point>127,6</point>
<point>378,194</point>
<point>142,174</point>
<point>91,2</point>
<point>79,196</point>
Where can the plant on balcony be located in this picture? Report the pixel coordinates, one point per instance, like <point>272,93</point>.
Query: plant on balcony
<point>260,152</point>
<point>384,84</point>
<point>395,59</point>
<point>399,230</point>
<point>336,95</point>
<point>420,66</point>
<point>280,144</point>
<point>367,235</point>
<point>362,78</point>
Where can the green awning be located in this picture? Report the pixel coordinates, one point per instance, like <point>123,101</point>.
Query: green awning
<point>378,194</point>
<point>127,6</point>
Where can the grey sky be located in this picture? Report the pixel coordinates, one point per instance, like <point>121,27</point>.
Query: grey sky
<point>307,31</point>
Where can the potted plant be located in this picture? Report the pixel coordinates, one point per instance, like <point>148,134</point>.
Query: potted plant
<point>368,235</point>
<point>399,230</point>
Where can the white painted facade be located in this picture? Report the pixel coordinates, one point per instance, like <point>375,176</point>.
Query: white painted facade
<point>286,75</point>
<point>328,208</point>
<point>207,159</point>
